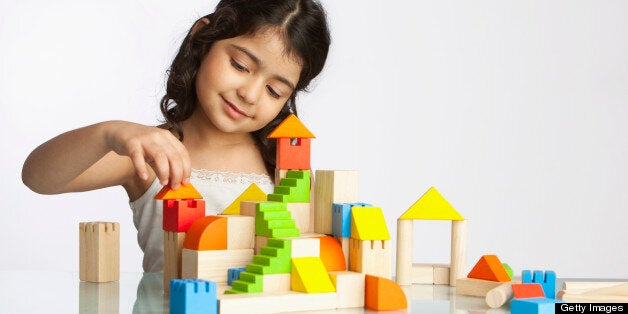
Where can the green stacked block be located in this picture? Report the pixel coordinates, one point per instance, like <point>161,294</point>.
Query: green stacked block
<point>294,188</point>
<point>274,258</point>
<point>273,220</point>
<point>248,283</point>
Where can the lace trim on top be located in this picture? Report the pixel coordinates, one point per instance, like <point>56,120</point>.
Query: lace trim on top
<point>231,177</point>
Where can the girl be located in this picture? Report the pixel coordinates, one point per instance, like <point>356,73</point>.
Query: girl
<point>234,79</point>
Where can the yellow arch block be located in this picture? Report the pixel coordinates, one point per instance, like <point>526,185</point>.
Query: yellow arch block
<point>432,206</point>
<point>309,275</point>
<point>368,223</point>
<point>252,193</point>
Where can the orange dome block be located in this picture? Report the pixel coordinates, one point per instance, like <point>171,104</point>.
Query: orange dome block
<point>331,254</point>
<point>207,233</point>
<point>383,294</point>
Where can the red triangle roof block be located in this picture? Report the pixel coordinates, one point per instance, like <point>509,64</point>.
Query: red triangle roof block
<point>291,127</point>
<point>187,191</point>
<point>489,268</point>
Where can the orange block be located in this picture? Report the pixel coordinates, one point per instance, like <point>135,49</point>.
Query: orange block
<point>489,268</point>
<point>187,191</point>
<point>331,254</point>
<point>207,233</point>
<point>528,290</point>
<point>383,294</point>
<point>294,157</point>
<point>291,127</point>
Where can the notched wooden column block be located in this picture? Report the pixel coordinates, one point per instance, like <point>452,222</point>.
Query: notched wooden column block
<point>99,251</point>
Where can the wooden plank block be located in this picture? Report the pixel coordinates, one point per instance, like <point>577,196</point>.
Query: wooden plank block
<point>99,251</point>
<point>371,257</point>
<point>260,242</point>
<point>590,285</point>
<point>240,232</point>
<point>405,238</point>
<point>458,250</point>
<point>173,244</point>
<point>422,274</point>
<point>276,283</point>
<point>305,247</point>
<point>475,287</point>
<point>441,274</point>
<point>332,186</point>
<point>247,208</point>
<point>349,287</point>
<point>276,303</point>
<point>301,214</point>
<point>590,298</point>
<point>213,265</point>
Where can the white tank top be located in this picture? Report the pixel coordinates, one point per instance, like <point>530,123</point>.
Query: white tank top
<point>219,190</point>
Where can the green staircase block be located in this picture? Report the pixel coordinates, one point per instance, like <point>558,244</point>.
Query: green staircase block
<point>294,188</point>
<point>273,220</point>
<point>278,260</point>
<point>248,283</point>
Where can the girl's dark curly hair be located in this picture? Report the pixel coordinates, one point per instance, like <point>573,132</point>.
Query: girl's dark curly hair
<point>303,25</point>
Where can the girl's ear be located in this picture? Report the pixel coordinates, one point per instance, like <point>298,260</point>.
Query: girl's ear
<point>199,24</point>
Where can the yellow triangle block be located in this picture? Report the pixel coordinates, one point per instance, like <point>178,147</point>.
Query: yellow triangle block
<point>187,191</point>
<point>252,193</point>
<point>368,223</point>
<point>432,206</point>
<point>309,275</point>
<point>291,127</point>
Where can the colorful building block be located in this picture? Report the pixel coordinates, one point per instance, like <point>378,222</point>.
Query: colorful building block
<point>332,186</point>
<point>273,303</point>
<point>527,290</point>
<point>293,154</point>
<point>301,213</point>
<point>341,218</point>
<point>207,233</point>
<point>291,127</point>
<point>185,191</point>
<point>350,287</point>
<point>475,287</point>
<point>546,279</point>
<point>431,206</point>
<point>508,269</point>
<point>192,296</point>
<point>532,306</point>
<point>383,294</point>
<point>310,276</point>
<point>252,193</point>
<point>272,219</point>
<point>214,264</point>
<point>294,188</point>
<point>179,215</point>
<point>99,251</point>
<point>331,254</point>
<point>489,268</point>
<point>274,258</point>
<point>234,274</point>
<point>368,223</point>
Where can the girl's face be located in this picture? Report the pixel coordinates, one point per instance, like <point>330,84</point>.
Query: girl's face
<point>243,82</point>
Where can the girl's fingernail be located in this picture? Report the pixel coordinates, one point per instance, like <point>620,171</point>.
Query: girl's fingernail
<point>144,176</point>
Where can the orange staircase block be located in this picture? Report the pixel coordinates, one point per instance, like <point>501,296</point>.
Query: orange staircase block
<point>383,294</point>
<point>528,290</point>
<point>187,191</point>
<point>331,254</point>
<point>207,233</point>
<point>489,268</point>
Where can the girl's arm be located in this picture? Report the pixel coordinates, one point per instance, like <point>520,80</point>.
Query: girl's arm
<point>107,154</point>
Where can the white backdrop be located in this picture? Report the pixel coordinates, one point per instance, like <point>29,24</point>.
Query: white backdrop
<point>515,111</point>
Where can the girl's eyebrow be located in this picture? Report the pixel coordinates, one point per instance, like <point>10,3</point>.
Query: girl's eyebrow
<point>259,63</point>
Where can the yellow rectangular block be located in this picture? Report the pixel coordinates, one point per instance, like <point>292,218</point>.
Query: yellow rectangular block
<point>309,275</point>
<point>349,287</point>
<point>368,223</point>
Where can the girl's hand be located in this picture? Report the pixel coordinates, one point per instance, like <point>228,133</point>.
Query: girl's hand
<point>154,146</point>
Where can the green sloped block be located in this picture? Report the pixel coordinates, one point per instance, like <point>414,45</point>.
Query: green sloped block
<point>295,188</point>
<point>279,264</point>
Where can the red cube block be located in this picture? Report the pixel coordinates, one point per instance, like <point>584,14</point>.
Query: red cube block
<point>180,214</point>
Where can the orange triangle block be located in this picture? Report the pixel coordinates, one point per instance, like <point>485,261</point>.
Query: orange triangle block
<point>252,193</point>
<point>187,191</point>
<point>489,268</point>
<point>291,127</point>
<point>383,294</point>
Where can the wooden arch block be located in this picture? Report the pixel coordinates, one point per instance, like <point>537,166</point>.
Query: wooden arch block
<point>383,294</point>
<point>207,233</point>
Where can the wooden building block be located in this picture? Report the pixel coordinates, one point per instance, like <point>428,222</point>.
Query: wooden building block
<point>240,232</point>
<point>350,287</point>
<point>432,206</point>
<point>291,127</point>
<point>405,230</point>
<point>179,215</point>
<point>475,287</point>
<point>280,174</point>
<point>189,296</point>
<point>276,283</point>
<point>233,274</point>
<point>247,208</point>
<point>532,306</point>
<point>274,258</point>
<point>546,279</point>
<point>252,193</point>
<point>207,233</point>
<point>499,295</point>
<point>184,192</point>
<point>441,274</point>
<point>260,242</point>
<point>489,268</point>
<point>305,247</point>
<point>368,223</point>
<point>213,265</point>
<point>99,251</point>
<point>383,294</point>
<point>332,186</point>
<point>293,154</point>
<point>310,276</point>
<point>264,303</point>
<point>341,218</point>
<point>301,215</point>
<point>423,274</point>
<point>98,297</point>
<point>371,257</point>
<point>527,290</point>
<point>331,254</point>
<point>458,250</point>
<point>345,244</point>
<point>173,245</point>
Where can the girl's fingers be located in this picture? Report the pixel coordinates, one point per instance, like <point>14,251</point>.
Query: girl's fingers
<point>137,158</point>
<point>161,167</point>
<point>176,171</point>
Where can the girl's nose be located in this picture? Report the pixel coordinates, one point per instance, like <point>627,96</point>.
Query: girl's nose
<point>250,92</point>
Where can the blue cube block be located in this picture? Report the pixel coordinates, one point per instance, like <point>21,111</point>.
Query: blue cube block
<point>546,279</point>
<point>532,306</point>
<point>191,296</point>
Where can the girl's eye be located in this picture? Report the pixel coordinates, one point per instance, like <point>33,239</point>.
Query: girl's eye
<point>273,92</point>
<point>238,66</point>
